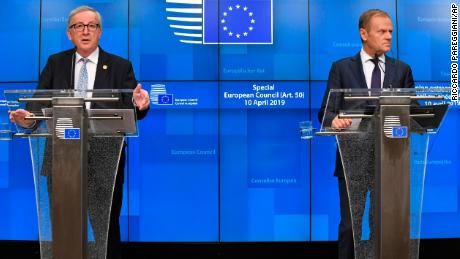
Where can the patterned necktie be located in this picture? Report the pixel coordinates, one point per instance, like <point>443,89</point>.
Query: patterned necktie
<point>83,78</point>
<point>376,76</point>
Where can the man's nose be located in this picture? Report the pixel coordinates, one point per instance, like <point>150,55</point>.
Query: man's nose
<point>85,30</point>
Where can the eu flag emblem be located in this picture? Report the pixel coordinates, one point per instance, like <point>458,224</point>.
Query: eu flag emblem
<point>399,132</point>
<point>165,99</point>
<point>237,22</point>
<point>72,133</point>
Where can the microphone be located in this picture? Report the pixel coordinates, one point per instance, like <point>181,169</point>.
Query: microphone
<point>381,67</point>
<point>383,70</point>
<point>72,73</point>
<point>390,85</point>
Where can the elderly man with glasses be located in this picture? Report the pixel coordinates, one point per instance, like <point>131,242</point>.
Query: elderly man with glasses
<point>88,67</point>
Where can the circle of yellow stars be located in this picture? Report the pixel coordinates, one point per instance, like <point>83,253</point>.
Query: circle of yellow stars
<point>226,13</point>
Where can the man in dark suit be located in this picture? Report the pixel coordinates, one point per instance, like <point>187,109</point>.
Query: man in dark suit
<point>370,68</point>
<point>87,64</point>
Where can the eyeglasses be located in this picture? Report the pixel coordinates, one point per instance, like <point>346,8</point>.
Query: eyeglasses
<point>81,27</point>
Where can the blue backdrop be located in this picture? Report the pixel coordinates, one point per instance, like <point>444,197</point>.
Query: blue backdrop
<point>219,156</point>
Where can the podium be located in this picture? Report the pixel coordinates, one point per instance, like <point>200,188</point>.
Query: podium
<point>383,156</point>
<point>75,144</point>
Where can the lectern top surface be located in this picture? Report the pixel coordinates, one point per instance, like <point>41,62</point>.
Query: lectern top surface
<point>427,108</point>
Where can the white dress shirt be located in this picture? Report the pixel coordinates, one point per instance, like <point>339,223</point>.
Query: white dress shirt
<point>91,67</point>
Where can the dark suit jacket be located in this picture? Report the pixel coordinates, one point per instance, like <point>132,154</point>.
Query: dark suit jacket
<point>58,74</point>
<point>118,74</point>
<point>348,73</point>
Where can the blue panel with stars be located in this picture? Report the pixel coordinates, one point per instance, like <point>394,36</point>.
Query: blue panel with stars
<point>72,133</point>
<point>237,22</point>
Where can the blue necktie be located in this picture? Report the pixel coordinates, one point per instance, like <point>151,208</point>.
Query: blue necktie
<point>376,76</point>
<point>83,78</point>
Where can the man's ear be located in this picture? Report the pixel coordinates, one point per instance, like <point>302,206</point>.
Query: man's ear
<point>363,34</point>
<point>69,36</point>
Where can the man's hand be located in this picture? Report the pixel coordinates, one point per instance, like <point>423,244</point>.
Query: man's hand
<point>338,123</point>
<point>18,117</point>
<point>141,98</point>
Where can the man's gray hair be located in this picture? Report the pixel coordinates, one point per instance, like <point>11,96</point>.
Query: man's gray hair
<point>365,17</point>
<point>84,8</point>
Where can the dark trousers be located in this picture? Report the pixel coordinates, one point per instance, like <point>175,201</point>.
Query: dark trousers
<point>345,244</point>
<point>114,250</point>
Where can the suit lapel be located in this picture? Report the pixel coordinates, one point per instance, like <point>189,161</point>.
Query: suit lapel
<point>389,72</point>
<point>69,70</point>
<point>358,72</point>
<point>102,71</point>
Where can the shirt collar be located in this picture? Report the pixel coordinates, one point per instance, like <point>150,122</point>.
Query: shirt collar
<point>366,57</point>
<point>93,57</point>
